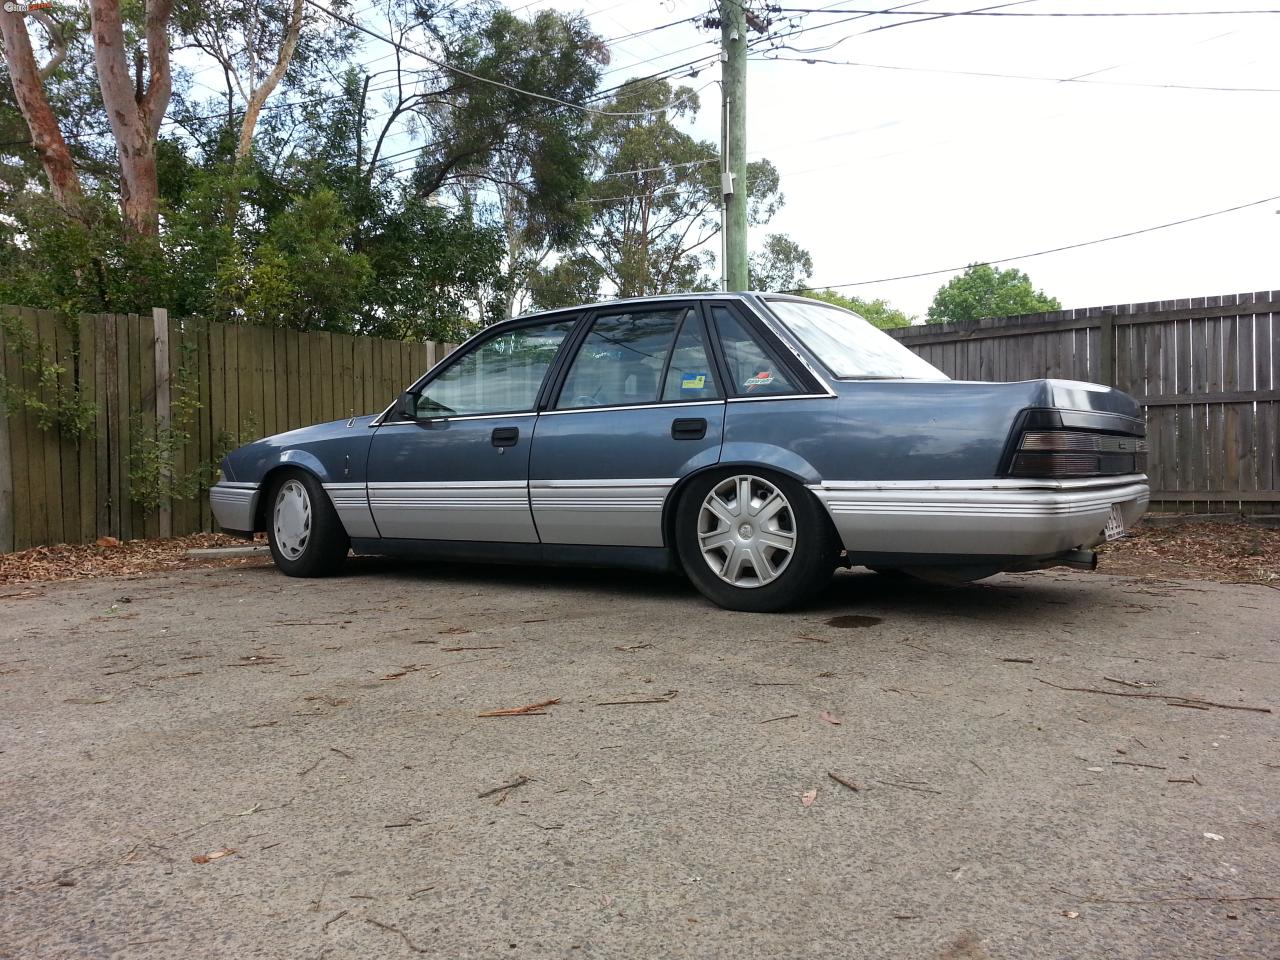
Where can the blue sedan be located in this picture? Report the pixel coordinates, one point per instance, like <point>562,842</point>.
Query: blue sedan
<point>754,441</point>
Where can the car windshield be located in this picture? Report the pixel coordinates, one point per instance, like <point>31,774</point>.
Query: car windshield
<point>849,346</point>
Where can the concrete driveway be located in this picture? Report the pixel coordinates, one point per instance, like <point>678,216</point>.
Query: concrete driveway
<point>678,799</point>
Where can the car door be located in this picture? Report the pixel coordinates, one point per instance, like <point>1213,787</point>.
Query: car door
<point>638,406</point>
<point>458,469</point>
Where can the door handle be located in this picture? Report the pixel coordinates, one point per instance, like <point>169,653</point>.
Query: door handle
<point>504,436</point>
<point>692,428</point>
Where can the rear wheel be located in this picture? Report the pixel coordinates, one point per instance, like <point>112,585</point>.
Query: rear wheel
<point>303,529</point>
<point>751,540</point>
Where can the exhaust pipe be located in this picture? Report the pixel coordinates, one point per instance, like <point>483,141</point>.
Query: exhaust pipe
<point>1079,559</point>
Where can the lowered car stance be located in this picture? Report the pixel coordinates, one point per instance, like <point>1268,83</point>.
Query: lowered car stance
<point>755,441</point>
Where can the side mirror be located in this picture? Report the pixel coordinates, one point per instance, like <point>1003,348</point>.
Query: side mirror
<point>408,405</point>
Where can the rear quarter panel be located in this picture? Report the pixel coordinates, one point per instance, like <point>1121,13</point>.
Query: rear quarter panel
<point>882,430</point>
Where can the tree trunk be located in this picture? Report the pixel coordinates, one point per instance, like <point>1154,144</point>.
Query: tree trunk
<point>258,95</point>
<point>135,113</point>
<point>28,90</point>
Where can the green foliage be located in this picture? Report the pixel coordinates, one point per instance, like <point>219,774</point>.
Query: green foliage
<point>987,291</point>
<point>877,312</point>
<point>654,202</point>
<point>781,265</point>
<point>55,401</point>
<point>153,455</point>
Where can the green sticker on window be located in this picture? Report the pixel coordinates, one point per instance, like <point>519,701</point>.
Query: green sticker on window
<point>693,381</point>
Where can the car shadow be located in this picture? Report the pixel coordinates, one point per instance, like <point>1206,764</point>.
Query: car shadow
<point>852,592</point>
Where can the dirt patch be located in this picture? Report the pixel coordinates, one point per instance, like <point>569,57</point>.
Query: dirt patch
<point>113,558</point>
<point>1229,550</point>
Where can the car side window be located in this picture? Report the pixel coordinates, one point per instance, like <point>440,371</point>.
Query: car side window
<point>621,360</point>
<point>690,373</point>
<point>501,375</point>
<point>753,369</point>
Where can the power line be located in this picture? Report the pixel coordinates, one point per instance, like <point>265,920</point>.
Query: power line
<point>1041,253</point>
<point>924,16</point>
<point>1019,76</point>
<point>475,76</point>
<point>1023,13</point>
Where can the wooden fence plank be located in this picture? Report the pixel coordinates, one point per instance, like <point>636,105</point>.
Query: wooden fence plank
<point>54,508</point>
<point>148,389</point>
<point>87,448</point>
<point>6,462</point>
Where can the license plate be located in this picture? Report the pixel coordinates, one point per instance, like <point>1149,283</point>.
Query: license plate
<point>1114,529</point>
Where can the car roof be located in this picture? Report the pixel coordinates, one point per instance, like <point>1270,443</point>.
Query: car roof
<point>655,298</point>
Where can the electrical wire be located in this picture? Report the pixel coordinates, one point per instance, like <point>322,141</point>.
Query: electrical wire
<point>475,76</point>
<point>1042,13</point>
<point>1041,253</point>
<point>1018,76</point>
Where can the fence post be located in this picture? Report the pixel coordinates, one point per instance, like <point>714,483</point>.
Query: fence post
<point>164,409</point>
<point>1107,349</point>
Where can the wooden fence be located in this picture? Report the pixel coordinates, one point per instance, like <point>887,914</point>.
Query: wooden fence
<point>142,379</point>
<point>1207,370</point>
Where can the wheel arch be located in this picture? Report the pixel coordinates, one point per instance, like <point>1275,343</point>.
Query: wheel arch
<point>306,465</point>
<point>784,469</point>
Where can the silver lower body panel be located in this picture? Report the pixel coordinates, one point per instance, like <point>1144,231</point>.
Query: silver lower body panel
<point>496,511</point>
<point>234,505</point>
<point>623,513</point>
<point>1028,518</point>
<point>351,501</point>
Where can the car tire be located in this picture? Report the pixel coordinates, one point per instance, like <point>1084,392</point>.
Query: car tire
<point>306,537</point>
<point>730,521</point>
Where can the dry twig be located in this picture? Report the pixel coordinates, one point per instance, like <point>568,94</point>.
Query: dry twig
<point>528,710</point>
<point>1172,699</point>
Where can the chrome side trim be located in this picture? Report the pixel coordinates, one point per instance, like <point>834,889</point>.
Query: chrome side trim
<point>466,416</point>
<point>621,512</point>
<point>351,501</point>
<point>234,505</point>
<point>634,406</point>
<point>665,484</point>
<point>998,517</point>
<point>783,396</point>
<point>1013,483</point>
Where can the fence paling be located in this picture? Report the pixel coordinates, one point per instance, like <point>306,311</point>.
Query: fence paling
<point>247,382</point>
<point>1207,371</point>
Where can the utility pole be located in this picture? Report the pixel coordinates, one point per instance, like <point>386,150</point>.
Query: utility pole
<point>733,158</point>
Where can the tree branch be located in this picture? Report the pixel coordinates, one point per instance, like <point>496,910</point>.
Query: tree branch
<point>262,91</point>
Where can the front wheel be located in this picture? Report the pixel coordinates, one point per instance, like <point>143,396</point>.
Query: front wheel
<point>306,537</point>
<point>753,541</point>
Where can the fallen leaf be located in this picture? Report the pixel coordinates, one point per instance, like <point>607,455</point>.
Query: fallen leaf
<point>831,718</point>
<point>1071,914</point>
<point>1214,836</point>
<point>212,855</point>
<point>809,796</point>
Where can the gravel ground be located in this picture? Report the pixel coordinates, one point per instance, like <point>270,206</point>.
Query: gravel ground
<point>327,732</point>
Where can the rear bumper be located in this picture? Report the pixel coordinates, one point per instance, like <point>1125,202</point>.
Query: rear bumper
<point>234,505</point>
<point>1023,518</point>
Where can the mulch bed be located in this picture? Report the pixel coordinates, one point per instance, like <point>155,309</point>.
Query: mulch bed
<point>1225,549</point>
<point>112,558</point>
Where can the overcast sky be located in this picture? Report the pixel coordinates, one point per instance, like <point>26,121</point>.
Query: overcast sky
<point>889,172</point>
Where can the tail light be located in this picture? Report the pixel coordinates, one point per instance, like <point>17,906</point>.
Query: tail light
<point>1077,453</point>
